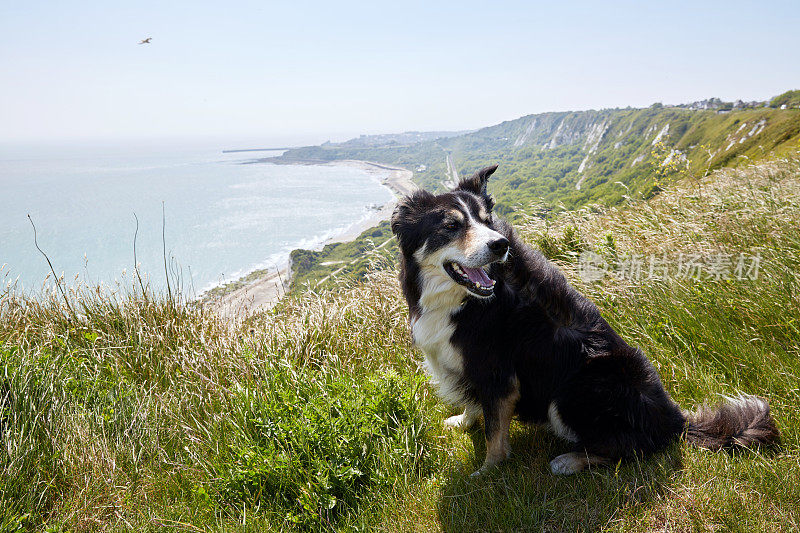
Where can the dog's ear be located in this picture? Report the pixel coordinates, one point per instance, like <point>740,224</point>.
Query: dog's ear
<point>408,214</point>
<point>477,182</point>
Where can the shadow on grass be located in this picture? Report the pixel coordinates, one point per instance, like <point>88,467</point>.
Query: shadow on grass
<point>522,494</point>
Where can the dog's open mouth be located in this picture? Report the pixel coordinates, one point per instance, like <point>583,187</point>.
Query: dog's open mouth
<point>474,279</point>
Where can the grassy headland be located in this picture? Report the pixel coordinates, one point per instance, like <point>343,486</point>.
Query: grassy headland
<point>552,162</point>
<point>137,412</point>
<point>608,152</point>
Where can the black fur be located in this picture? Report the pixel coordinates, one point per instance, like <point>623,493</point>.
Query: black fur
<point>538,329</point>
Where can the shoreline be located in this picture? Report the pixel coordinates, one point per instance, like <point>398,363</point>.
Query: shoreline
<point>262,289</point>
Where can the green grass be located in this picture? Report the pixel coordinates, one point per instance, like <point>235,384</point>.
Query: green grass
<point>141,413</point>
<point>358,435</point>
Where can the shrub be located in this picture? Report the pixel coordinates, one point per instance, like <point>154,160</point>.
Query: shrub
<point>313,445</point>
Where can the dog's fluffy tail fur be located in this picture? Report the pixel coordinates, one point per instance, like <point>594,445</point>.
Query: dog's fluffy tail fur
<point>738,422</point>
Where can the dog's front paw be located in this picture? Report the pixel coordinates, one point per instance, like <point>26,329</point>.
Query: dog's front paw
<point>483,470</point>
<point>458,422</point>
<point>567,464</point>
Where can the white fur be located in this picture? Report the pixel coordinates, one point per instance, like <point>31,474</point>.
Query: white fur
<point>567,464</point>
<point>465,420</point>
<point>440,297</point>
<point>558,426</point>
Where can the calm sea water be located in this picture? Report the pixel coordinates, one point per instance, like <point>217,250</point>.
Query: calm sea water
<point>223,218</point>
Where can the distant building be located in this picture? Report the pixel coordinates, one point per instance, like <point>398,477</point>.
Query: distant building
<point>718,104</point>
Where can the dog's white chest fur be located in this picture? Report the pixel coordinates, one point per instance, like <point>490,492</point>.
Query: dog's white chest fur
<point>432,331</point>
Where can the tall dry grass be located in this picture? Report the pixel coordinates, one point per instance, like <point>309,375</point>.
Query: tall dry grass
<point>117,414</point>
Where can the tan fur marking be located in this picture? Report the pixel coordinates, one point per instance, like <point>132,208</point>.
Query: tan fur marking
<point>469,241</point>
<point>498,448</point>
<point>456,214</point>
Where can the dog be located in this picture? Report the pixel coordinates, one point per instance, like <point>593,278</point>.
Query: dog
<point>505,335</point>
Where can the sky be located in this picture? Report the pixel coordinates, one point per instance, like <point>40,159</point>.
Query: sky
<point>303,72</point>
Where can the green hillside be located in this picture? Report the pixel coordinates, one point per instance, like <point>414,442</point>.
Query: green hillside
<point>574,158</point>
<point>554,161</point>
<point>788,99</point>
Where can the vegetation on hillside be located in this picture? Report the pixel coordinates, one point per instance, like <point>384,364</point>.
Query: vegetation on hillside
<point>552,162</point>
<point>350,260</point>
<point>788,99</point>
<point>608,153</point>
<point>136,412</point>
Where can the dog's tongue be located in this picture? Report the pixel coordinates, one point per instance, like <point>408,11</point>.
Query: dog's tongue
<point>477,275</point>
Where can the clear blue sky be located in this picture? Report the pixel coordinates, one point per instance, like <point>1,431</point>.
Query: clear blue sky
<point>310,71</point>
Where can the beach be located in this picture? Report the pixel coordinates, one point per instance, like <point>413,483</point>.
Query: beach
<point>261,290</point>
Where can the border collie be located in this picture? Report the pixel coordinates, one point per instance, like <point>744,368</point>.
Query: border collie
<point>504,335</point>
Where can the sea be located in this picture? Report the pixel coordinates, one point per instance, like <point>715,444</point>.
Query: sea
<point>214,216</point>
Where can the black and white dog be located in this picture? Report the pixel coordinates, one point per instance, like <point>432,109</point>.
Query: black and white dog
<point>504,335</point>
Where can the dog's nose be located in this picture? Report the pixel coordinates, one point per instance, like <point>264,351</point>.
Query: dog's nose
<point>499,247</point>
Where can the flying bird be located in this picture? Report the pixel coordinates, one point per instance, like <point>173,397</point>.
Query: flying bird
<point>145,41</point>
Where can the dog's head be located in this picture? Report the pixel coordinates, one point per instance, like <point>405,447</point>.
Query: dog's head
<point>451,236</point>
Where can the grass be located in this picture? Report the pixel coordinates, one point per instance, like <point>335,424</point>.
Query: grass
<point>138,412</point>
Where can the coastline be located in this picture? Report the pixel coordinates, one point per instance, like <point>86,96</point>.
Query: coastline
<point>263,289</point>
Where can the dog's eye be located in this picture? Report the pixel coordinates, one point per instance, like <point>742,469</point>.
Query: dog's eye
<point>452,224</point>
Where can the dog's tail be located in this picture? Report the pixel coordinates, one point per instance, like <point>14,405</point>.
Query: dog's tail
<point>742,421</point>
